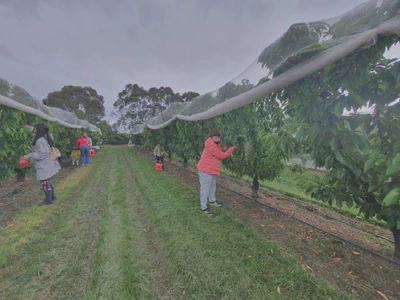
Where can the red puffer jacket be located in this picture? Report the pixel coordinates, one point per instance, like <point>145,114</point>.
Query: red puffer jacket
<point>81,142</point>
<point>210,161</point>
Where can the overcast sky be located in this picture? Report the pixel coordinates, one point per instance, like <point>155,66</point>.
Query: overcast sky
<point>189,45</point>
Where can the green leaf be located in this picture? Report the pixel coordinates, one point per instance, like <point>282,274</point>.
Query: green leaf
<point>393,169</point>
<point>392,198</point>
<point>396,159</point>
<point>371,161</point>
<point>337,109</point>
<point>373,188</point>
<point>333,143</point>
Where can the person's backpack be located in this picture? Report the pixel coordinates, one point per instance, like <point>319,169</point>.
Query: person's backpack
<point>55,153</point>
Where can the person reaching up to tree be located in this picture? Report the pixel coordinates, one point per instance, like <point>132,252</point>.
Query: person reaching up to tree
<point>209,168</point>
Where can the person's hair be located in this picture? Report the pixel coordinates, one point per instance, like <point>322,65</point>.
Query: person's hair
<point>42,130</point>
<point>215,132</point>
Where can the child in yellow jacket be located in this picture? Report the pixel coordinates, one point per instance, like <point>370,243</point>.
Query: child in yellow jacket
<point>75,155</point>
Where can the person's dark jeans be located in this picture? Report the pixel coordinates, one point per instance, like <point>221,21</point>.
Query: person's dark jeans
<point>85,155</point>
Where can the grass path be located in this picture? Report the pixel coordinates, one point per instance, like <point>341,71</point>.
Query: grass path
<point>120,230</point>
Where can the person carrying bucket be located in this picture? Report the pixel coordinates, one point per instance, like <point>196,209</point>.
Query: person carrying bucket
<point>83,145</point>
<point>46,166</point>
<point>159,153</point>
<point>209,167</point>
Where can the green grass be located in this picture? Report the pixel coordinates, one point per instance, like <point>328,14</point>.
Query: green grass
<point>120,258</point>
<point>48,251</point>
<point>218,257</point>
<point>296,184</point>
<point>120,230</point>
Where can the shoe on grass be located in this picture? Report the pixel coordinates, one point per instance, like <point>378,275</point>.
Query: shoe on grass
<point>208,212</point>
<point>216,204</point>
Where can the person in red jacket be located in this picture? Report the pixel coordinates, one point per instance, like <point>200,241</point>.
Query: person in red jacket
<point>209,168</point>
<point>83,145</point>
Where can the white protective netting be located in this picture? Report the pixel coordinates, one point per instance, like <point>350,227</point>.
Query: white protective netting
<point>311,46</point>
<point>16,97</point>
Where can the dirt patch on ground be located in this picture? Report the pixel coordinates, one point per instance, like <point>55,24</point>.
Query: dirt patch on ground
<point>350,269</point>
<point>15,197</point>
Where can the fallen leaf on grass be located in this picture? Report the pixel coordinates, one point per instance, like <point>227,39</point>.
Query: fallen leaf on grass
<point>357,253</point>
<point>279,290</point>
<point>352,276</point>
<point>335,260</point>
<point>383,295</point>
<point>316,252</point>
<point>332,229</point>
<point>323,267</point>
<point>9,226</point>
<point>184,293</point>
<point>282,227</point>
<point>308,267</point>
<point>303,267</point>
<point>398,281</point>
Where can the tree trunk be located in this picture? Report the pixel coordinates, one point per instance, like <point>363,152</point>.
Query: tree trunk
<point>254,188</point>
<point>396,235</point>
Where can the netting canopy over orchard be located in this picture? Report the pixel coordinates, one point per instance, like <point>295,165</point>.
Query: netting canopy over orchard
<point>304,49</point>
<point>16,97</point>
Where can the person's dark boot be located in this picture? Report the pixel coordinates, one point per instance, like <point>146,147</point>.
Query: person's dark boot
<point>48,200</point>
<point>53,196</point>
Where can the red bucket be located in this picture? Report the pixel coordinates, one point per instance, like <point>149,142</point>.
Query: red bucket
<point>91,152</point>
<point>23,163</point>
<point>159,167</point>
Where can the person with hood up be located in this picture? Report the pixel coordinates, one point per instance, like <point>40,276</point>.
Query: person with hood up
<point>159,152</point>
<point>209,168</point>
<point>45,166</point>
<point>83,145</point>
